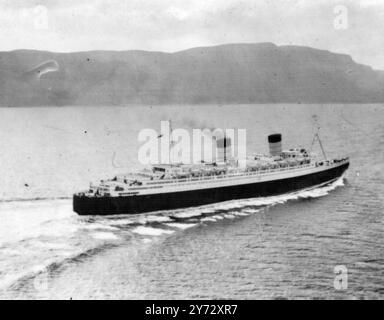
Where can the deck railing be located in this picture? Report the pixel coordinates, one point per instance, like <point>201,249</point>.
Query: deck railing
<point>232,174</point>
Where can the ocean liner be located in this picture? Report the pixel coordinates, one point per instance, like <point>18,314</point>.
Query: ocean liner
<point>173,186</point>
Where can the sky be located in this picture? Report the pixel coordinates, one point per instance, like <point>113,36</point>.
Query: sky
<point>354,27</point>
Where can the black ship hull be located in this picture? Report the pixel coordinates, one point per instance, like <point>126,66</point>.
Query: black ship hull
<point>85,205</point>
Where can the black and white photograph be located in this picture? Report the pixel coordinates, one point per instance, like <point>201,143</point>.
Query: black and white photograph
<point>191,150</point>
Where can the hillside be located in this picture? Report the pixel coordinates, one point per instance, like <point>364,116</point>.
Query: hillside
<point>234,73</point>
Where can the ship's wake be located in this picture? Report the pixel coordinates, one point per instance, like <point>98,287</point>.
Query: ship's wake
<point>61,238</point>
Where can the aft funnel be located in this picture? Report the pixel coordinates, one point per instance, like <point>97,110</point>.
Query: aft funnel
<point>275,144</point>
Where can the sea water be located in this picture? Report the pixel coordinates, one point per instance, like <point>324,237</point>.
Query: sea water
<point>278,247</point>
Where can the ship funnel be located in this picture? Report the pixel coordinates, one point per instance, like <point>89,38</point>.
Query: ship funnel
<point>224,151</point>
<point>275,144</point>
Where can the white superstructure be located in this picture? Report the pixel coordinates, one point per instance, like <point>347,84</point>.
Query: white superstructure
<point>180,177</point>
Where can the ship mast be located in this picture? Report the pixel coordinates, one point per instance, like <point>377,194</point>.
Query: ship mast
<point>316,137</point>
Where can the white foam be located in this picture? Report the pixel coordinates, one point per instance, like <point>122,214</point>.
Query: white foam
<point>242,214</point>
<point>147,231</point>
<point>121,222</point>
<point>305,194</point>
<point>187,214</point>
<point>9,279</point>
<point>181,225</point>
<point>229,206</point>
<point>218,217</point>
<point>140,220</point>
<point>251,211</point>
<point>104,236</point>
<point>338,183</point>
<point>208,219</point>
<point>157,219</point>
<point>318,193</point>
<point>229,216</point>
<point>95,226</point>
<point>206,210</point>
<point>264,201</point>
<point>40,267</point>
<point>314,192</point>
